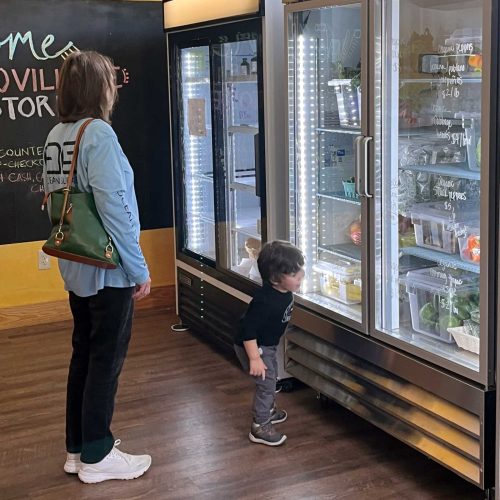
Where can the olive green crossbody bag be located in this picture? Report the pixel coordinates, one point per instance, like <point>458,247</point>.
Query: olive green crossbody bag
<point>78,233</point>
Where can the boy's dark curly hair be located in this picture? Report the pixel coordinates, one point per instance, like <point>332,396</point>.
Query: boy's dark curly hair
<point>278,258</point>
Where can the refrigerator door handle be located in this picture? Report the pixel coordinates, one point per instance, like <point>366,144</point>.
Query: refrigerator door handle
<point>366,141</point>
<point>257,164</point>
<point>359,153</point>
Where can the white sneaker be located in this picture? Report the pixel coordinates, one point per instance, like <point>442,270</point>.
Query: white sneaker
<point>115,465</point>
<point>72,464</point>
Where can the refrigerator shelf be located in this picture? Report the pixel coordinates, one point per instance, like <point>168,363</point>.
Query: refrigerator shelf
<point>340,196</point>
<point>242,79</point>
<point>465,79</point>
<point>243,129</point>
<point>204,176</point>
<point>243,184</point>
<point>349,311</point>
<point>249,231</point>
<point>447,260</point>
<point>446,169</point>
<point>199,216</point>
<point>196,81</point>
<point>340,130</point>
<point>451,352</point>
<point>348,250</point>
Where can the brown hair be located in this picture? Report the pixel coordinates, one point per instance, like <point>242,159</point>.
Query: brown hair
<point>87,83</point>
<point>278,258</point>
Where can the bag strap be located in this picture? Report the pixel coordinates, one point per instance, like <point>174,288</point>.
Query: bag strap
<point>72,169</point>
<point>75,152</point>
<point>71,174</point>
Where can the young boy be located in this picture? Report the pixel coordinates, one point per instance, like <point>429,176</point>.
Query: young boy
<point>263,324</point>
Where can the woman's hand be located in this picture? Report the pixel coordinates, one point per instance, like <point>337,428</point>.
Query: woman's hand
<point>142,290</point>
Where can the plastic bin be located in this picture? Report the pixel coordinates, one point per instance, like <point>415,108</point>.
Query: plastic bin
<point>340,279</point>
<point>434,227</point>
<point>440,300</point>
<point>469,243</point>
<point>473,143</point>
<point>350,189</point>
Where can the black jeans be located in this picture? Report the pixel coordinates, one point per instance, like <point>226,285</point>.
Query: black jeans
<point>101,335</point>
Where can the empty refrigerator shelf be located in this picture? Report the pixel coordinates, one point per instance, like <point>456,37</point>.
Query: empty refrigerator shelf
<point>348,250</point>
<point>243,184</point>
<point>340,130</point>
<point>243,129</point>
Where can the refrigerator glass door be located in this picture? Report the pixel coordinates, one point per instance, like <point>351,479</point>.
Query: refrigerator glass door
<point>324,128</point>
<point>196,152</point>
<point>240,139</point>
<point>428,262</point>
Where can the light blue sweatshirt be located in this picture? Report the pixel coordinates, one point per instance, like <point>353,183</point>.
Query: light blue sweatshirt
<point>103,169</point>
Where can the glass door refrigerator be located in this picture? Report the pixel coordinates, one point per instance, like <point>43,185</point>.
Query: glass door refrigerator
<point>392,186</point>
<point>227,133</point>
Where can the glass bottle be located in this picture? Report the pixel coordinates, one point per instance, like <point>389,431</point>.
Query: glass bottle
<point>244,67</point>
<point>253,64</point>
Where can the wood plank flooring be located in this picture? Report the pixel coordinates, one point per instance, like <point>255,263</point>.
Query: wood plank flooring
<point>187,404</point>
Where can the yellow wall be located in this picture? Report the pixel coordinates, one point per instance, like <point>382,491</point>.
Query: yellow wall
<point>22,283</point>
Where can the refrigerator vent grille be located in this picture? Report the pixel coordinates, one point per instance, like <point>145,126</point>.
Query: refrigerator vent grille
<point>210,313</point>
<point>432,425</point>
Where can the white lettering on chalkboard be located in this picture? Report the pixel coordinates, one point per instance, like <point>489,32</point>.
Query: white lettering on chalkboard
<point>12,40</point>
<point>27,106</point>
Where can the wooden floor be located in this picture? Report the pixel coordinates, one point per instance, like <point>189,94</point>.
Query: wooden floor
<point>187,404</point>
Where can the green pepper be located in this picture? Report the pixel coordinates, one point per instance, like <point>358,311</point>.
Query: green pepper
<point>428,313</point>
<point>446,322</point>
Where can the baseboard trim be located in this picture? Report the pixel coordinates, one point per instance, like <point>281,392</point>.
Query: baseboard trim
<point>161,298</point>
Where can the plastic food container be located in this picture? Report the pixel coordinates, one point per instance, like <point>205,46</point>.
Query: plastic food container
<point>340,279</point>
<point>350,189</point>
<point>473,148</point>
<point>440,300</point>
<point>469,243</point>
<point>434,227</point>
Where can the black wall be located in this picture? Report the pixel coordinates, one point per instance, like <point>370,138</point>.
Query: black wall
<point>131,33</point>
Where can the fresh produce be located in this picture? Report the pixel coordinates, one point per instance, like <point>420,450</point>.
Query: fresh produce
<point>437,315</point>
<point>428,316</point>
<point>476,62</point>
<point>355,232</point>
<point>474,247</point>
<point>446,322</point>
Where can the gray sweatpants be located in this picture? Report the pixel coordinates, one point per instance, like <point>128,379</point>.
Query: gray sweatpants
<point>265,390</point>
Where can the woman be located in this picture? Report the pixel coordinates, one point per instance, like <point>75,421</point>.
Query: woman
<point>101,300</point>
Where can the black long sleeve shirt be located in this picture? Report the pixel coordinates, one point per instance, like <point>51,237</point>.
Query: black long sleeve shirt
<point>266,318</point>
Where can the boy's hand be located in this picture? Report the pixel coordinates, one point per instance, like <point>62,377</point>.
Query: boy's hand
<point>258,368</point>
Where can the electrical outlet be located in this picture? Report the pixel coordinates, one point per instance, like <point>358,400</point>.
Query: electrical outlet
<point>43,260</point>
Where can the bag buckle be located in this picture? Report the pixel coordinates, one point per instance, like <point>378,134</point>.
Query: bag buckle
<point>108,251</point>
<point>59,237</point>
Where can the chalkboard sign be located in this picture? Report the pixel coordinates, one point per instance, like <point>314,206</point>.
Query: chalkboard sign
<point>34,38</point>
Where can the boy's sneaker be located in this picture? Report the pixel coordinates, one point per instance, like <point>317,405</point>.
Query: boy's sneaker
<point>278,416</point>
<point>72,464</point>
<point>115,465</point>
<point>266,434</point>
